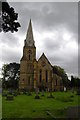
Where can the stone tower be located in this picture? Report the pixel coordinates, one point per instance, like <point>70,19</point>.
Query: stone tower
<point>27,61</point>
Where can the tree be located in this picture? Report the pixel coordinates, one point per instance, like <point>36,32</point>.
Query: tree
<point>61,72</point>
<point>9,18</point>
<point>75,82</point>
<point>10,74</point>
<point>72,81</point>
<point>4,74</point>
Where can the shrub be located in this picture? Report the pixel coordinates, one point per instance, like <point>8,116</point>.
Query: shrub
<point>29,93</point>
<point>37,97</point>
<point>72,96</point>
<point>24,92</point>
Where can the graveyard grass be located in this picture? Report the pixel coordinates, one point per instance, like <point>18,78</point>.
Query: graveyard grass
<point>0,106</point>
<point>24,106</point>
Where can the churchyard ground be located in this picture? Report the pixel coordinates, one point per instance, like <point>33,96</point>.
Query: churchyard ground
<point>0,106</point>
<point>24,106</point>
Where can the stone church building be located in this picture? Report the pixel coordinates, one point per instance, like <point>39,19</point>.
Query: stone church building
<point>36,73</point>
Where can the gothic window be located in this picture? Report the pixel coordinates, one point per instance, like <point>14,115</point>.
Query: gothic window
<point>40,76</point>
<point>56,82</point>
<point>46,75</point>
<point>29,80</point>
<point>29,55</point>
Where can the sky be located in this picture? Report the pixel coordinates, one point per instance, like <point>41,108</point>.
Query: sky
<point>55,30</point>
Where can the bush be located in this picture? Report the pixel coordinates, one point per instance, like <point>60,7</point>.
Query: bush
<point>24,92</point>
<point>37,97</point>
<point>72,96</point>
<point>29,93</point>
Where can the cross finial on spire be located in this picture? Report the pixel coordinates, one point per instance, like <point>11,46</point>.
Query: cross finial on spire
<point>29,37</point>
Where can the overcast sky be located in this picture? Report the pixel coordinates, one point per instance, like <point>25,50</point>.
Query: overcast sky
<point>55,29</point>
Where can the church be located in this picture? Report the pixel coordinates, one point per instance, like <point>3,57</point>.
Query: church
<point>36,73</point>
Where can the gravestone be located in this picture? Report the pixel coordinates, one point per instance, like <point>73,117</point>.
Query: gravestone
<point>9,97</point>
<point>4,94</point>
<point>65,89</point>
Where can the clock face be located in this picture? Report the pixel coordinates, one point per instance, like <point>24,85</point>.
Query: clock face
<point>43,63</point>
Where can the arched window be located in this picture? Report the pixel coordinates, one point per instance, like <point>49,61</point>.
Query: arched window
<point>29,55</point>
<point>56,82</point>
<point>28,80</point>
<point>46,75</point>
<point>40,76</point>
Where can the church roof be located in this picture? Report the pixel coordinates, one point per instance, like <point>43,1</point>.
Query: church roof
<point>43,55</point>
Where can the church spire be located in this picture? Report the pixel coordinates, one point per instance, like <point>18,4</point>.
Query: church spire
<point>29,37</point>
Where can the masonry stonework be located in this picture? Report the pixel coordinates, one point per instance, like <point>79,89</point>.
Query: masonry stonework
<point>36,73</point>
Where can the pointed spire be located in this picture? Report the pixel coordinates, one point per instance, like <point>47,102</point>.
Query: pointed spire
<point>29,37</point>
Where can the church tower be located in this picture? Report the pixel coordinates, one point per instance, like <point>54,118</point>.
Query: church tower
<point>27,61</point>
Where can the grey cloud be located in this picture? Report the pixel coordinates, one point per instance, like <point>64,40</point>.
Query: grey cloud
<point>51,44</point>
<point>48,15</point>
<point>10,55</point>
<point>0,15</point>
<point>70,66</point>
<point>2,0</point>
<point>9,39</point>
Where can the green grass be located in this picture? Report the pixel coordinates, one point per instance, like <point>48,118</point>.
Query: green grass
<point>24,106</point>
<point>0,106</point>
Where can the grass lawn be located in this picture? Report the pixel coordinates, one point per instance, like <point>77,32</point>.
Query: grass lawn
<point>24,106</point>
<point>0,106</point>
